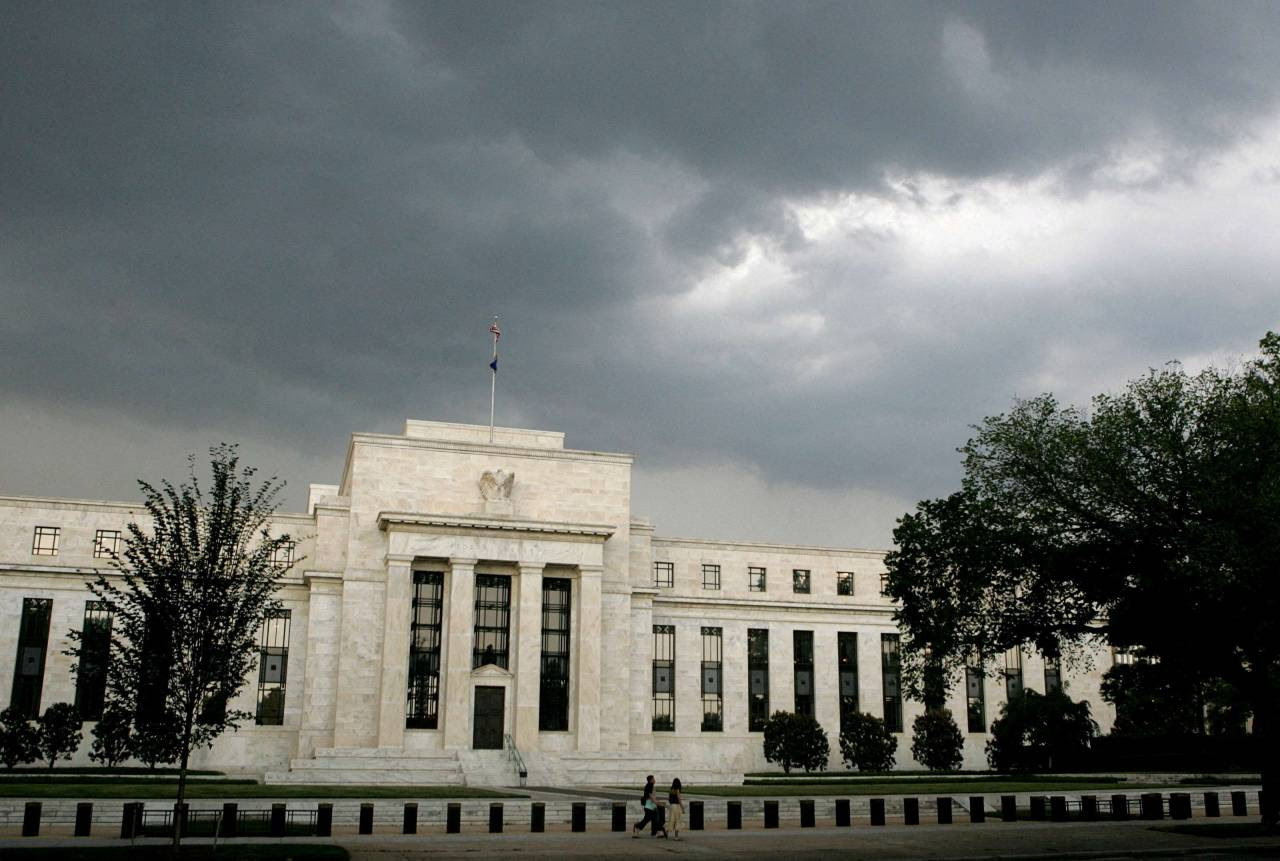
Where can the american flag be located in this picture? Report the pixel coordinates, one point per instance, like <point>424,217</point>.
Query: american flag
<point>497,333</point>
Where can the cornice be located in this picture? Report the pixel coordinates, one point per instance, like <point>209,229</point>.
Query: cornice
<point>391,520</point>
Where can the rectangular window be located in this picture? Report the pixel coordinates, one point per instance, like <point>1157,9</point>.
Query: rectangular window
<point>712,667</point>
<point>757,678</point>
<point>800,581</point>
<point>710,576</point>
<point>1052,675</point>
<point>664,574</point>
<point>755,580</point>
<point>493,621</point>
<point>153,684</point>
<point>283,553</point>
<point>1013,673</point>
<point>273,668</point>
<point>975,694</point>
<point>422,707</point>
<point>95,652</point>
<point>45,541</point>
<point>33,644</point>
<point>1121,655</point>
<point>884,583</point>
<point>802,655</point>
<point>891,672</point>
<point>844,582</point>
<point>847,658</point>
<point>664,678</point>
<point>106,545</point>
<point>553,694</point>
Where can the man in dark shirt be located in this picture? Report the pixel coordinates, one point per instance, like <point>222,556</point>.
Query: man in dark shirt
<point>649,806</point>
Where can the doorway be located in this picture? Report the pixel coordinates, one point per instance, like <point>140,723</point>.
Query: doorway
<point>488,718</point>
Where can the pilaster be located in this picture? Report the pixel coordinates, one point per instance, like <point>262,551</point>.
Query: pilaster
<point>459,626</point>
<point>320,672</point>
<point>589,633</point>
<point>395,651</point>
<point>528,657</point>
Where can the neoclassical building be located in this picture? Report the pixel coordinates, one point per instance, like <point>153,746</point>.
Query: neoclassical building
<point>461,609</point>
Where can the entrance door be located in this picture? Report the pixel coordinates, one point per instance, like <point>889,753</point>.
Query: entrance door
<point>487,721</point>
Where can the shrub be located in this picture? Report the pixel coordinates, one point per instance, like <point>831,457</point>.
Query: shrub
<point>155,741</point>
<point>59,733</point>
<point>866,745</point>
<point>19,739</point>
<point>936,742</point>
<point>111,736</point>
<point>1040,733</point>
<point>793,740</point>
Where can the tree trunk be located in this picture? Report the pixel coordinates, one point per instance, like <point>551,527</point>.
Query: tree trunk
<point>182,780</point>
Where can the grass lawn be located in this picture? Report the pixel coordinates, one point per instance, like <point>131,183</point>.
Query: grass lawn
<point>236,852</point>
<point>923,787</point>
<point>821,779</point>
<point>101,770</point>
<point>70,787</point>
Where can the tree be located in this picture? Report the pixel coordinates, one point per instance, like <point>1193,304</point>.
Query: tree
<point>59,732</point>
<point>189,595</point>
<point>1037,732</point>
<point>936,742</point>
<point>1154,700</point>
<point>865,743</point>
<point>112,736</point>
<point>794,740</point>
<point>19,739</point>
<point>1151,520</point>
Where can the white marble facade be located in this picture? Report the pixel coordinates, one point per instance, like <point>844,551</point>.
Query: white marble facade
<point>442,498</point>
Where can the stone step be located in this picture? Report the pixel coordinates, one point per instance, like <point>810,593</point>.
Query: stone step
<point>410,764</point>
<point>383,753</point>
<point>359,776</point>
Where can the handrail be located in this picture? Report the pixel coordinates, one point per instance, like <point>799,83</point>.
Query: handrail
<point>516,758</point>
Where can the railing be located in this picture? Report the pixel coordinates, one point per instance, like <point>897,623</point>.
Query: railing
<point>516,759</point>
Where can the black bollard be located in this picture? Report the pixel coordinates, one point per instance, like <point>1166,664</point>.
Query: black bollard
<point>1058,808</point>
<point>944,810</point>
<point>1179,805</point>
<point>538,817</point>
<point>324,820</point>
<point>1009,808</point>
<point>366,818</point>
<point>230,820</point>
<point>579,816</point>
<point>180,818</point>
<point>410,818</point>
<point>1152,805</point>
<point>1119,806</point>
<point>1239,807</point>
<point>807,818</point>
<point>495,818</point>
<point>1037,807</point>
<point>453,818</point>
<point>131,821</point>
<point>279,818</point>
<point>977,808</point>
<point>619,816</point>
<point>910,811</point>
<point>1211,804</point>
<point>84,818</point>
<point>31,819</point>
<point>843,819</point>
<point>877,811</point>
<point>733,815</point>
<point>771,814</point>
<point>695,816</point>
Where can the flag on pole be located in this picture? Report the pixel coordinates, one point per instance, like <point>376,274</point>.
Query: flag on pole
<point>497,333</point>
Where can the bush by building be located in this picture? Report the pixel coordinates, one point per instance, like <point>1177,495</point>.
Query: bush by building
<point>936,742</point>
<point>796,741</point>
<point>865,744</point>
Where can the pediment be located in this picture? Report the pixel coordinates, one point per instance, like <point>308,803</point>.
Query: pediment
<point>491,671</point>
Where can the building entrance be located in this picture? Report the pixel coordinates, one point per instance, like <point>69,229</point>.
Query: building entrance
<point>488,718</point>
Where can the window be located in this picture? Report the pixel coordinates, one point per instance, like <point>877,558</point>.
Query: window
<point>1121,655</point>
<point>757,678</point>
<point>493,621</point>
<point>422,707</point>
<point>755,580</point>
<point>153,684</point>
<point>891,672</point>
<point>106,545</point>
<point>553,694</point>
<point>1013,673</point>
<point>664,678</point>
<point>844,582</point>
<point>847,664</point>
<point>273,668</point>
<point>802,648</point>
<point>884,583</point>
<point>800,581</point>
<point>664,574</point>
<point>33,643</point>
<point>975,694</point>
<point>45,541</point>
<point>712,665</point>
<point>283,553</point>
<point>710,576</point>
<point>95,652</point>
<point>1052,675</point>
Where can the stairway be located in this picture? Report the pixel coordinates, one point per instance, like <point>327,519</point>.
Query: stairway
<point>372,765</point>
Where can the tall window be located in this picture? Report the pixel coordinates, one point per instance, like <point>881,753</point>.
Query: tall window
<point>710,576</point>
<point>800,581</point>
<point>884,583</point>
<point>273,667</point>
<point>44,542</point>
<point>755,580</point>
<point>493,621</point>
<point>1013,673</point>
<point>106,545</point>
<point>664,678</point>
<point>553,694</point>
<point>95,652</point>
<point>847,658</point>
<point>757,678</point>
<point>422,707</point>
<point>891,672</point>
<point>712,666</point>
<point>33,643</point>
<point>1052,675</point>
<point>975,694</point>
<point>1121,655</point>
<point>802,644</point>
<point>844,582</point>
<point>664,574</point>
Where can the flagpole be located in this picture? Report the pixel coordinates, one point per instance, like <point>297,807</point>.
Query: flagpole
<point>493,378</point>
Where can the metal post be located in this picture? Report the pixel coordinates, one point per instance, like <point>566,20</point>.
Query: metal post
<point>910,811</point>
<point>843,819</point>
<point>84,818</point>
<point>944,810</point>
<point>538,817</point>
<point>977,808</point>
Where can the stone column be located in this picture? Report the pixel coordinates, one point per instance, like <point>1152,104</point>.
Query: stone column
<point>528,664</point>
<point>395,651</point>
<point>320,673</point>
<point>458,633</point>
<point>589,632</point>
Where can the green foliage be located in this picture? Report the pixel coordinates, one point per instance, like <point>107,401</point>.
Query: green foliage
<point>59,732</point>
<point>1153,699</point>
<point>866,745</point>
<point>795,741</point>
<point>1040,733</point>
<point>157,740</point>
<point>936,742</point>
<point>19,738</point>
<point>112,736</point>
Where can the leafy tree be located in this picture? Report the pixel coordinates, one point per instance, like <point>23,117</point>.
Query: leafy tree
<point>189,594</point>
<point>936,742</point>
<point>1037,732</point>
<point>59,732</point>
<point>865,743</point>
<point>1152,515</point>
<point>794,740</point>
<point>112,736</point>
<point>19,738</point>
<point>1154,699</point>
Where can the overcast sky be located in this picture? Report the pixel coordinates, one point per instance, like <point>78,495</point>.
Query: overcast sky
<point>784,253</point>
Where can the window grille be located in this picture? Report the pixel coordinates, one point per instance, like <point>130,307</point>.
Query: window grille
<point>802,644</point>
<point>757,678</point>
<point>106,543</point>
<point>95,652</point>
<point>847,663</point>
<point>44,542</point>
<point>493,621</point>
<point>844,582</point>
<point>712,669</point>
<point>553,699</point>
<point>664,678</point>
<point>710,576</point>
<point>664,574</point>
<point>800,581</point>
<point>33,645</point>
<point>891,671</point>
<point>422,707</point>
<point>273,668</point>
<point>975,694</point>
<point>756,580</point>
